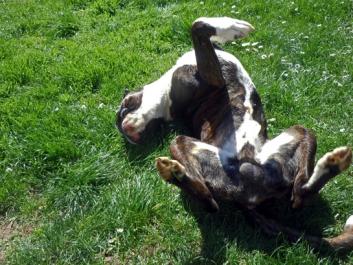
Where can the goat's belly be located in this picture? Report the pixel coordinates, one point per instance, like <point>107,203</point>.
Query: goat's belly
<point>228,184</point>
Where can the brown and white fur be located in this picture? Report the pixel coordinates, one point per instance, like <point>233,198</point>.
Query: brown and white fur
<point>229,156</point>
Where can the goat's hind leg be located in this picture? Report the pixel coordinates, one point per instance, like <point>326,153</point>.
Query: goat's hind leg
<point>221,29</point>
<point>184,172</point>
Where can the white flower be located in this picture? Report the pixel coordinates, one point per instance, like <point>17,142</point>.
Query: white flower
<point>345,77</point>
<point>119,230</point>
<point>83,107</point>
<point>337,83</point>
<point>8,169</point>
<point>100,106</point>
<point>245,44</point>
<point>342,130</point>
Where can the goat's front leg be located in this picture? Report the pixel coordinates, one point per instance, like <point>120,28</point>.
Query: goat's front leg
<point>295,149</point>
<point>139,109</point>
<point>329,166</point>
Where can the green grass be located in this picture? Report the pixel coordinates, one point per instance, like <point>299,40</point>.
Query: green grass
<point>72,191</point>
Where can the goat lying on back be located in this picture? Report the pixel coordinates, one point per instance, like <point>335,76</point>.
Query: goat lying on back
<point>229,157</point>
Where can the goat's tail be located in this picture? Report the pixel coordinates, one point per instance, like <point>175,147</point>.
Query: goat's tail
<point>342,242</point>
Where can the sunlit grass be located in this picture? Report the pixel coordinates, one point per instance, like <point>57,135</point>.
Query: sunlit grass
<point>88,196</point>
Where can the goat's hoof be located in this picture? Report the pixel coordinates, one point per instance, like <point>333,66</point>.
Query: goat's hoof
<point>340,157</point>
<point>170,169</point>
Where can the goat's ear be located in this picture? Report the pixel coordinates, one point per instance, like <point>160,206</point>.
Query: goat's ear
<point>126,91</point>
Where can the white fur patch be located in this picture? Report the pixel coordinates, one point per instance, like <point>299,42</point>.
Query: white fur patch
<point>248,132</point>
<point>187,58</point>
<point>199,146</point>
<point>349,223</point>
<point>272,147</point>
<point>319,170</point>
<point>227,29</point>
<point>155,100</point>
<point>155,103</point>
<point>222,154</point>
<point>322,166</point>
<point>254,199</point>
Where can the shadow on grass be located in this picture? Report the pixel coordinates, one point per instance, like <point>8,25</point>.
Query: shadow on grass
<point>153,141</point>
<point>230,226</point>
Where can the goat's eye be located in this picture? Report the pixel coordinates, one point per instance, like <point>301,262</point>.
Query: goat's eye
<point>129,102</point>
<point>124,112</point>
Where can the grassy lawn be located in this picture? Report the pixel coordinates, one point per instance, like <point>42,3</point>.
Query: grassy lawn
<point>72,191</point>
